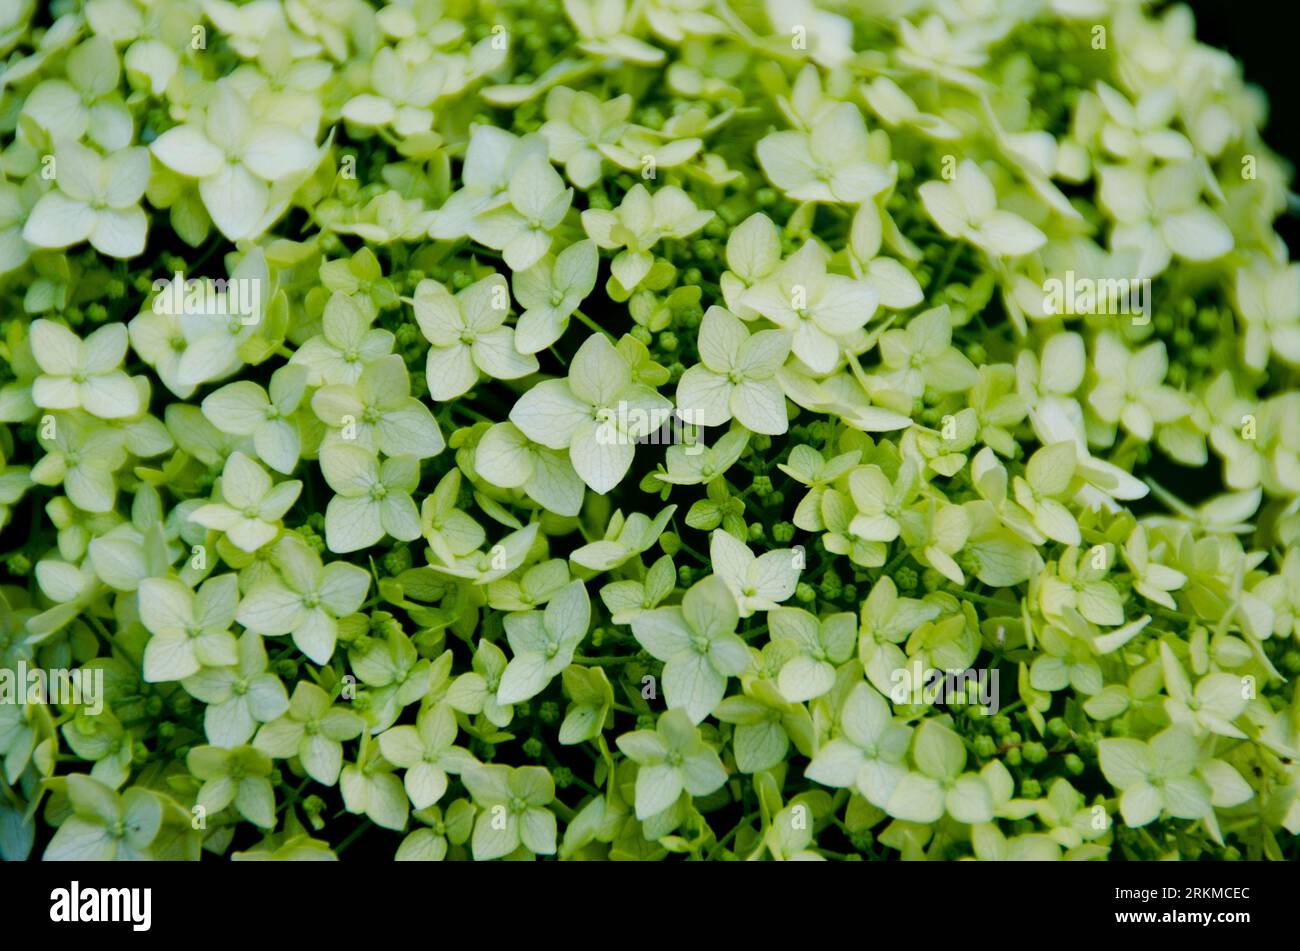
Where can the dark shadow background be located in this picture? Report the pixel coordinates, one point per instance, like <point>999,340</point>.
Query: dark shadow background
<point>1263,42</point>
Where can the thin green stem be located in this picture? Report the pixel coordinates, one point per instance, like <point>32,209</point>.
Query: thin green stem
<point>593,325</point>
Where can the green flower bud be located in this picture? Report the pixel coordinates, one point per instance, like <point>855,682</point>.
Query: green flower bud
<point>397,560</point>
<point>314,807</point>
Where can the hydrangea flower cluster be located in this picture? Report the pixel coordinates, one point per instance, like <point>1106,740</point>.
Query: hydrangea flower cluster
<point>724,429</point>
